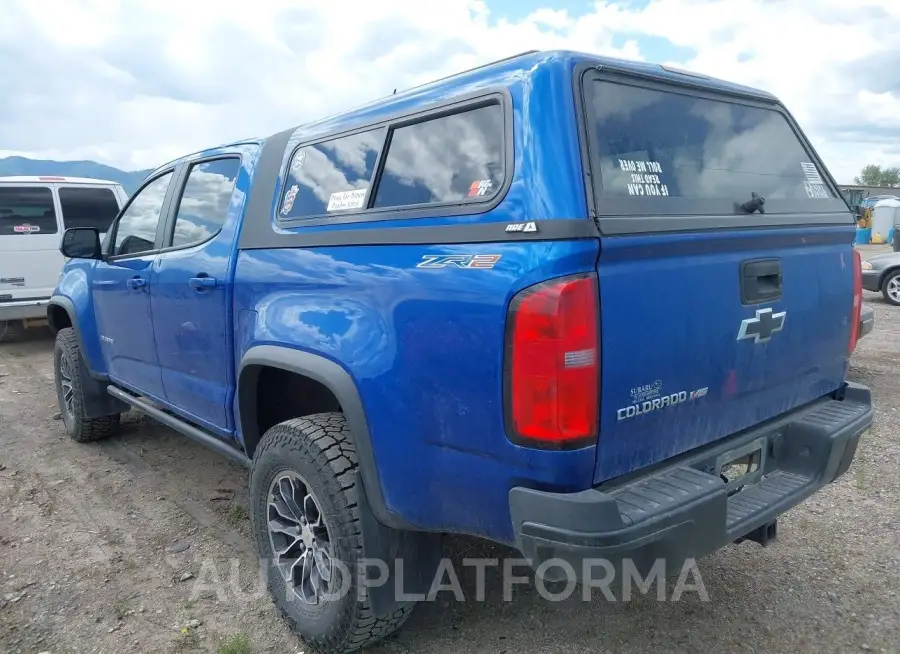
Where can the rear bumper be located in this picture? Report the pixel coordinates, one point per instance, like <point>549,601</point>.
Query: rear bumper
<point>684,511</point>
<point>24,309</point>
<point>871,280</point>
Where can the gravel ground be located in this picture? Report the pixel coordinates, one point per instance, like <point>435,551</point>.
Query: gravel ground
<point>96,539</point>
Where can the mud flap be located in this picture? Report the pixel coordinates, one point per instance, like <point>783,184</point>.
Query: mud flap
<point>97,401</point>
<point>419,551</point>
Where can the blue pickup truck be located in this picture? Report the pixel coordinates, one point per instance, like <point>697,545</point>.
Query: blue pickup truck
<point>587,308</point>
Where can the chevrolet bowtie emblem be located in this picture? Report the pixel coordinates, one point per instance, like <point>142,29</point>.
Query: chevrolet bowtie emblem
<point>761,328</point>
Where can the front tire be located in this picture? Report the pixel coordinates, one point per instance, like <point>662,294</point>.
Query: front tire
<point>70,392</point>
<point>306,524</point>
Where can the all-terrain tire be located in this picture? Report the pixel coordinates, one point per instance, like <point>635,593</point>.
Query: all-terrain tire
<point>319,449</point>
<point>67,362</point>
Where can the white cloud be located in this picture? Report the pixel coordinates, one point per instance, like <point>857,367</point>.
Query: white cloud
<point>134,84</point>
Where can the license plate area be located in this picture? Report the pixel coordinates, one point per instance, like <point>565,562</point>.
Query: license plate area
<point>742,466</point>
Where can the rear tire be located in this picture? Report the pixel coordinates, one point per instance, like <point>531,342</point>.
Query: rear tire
<point>313,461</point>
<point>70,392</point>
<point>890,288</point>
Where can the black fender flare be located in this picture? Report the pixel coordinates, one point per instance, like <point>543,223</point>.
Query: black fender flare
<point>341,384</point>
<point>68,306</point>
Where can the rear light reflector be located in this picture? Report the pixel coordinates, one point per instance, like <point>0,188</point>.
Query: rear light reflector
<point>857,301</point>
<point>553,364</point>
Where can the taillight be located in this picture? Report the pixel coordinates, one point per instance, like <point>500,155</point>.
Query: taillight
<point>857,300</point>
<point>553,364</point>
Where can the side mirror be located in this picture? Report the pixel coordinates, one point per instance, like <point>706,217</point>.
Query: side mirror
<point>81,243</point>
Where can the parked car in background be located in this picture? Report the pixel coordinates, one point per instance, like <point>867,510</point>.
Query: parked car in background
<point>881,273</point>
<point>34,212</point>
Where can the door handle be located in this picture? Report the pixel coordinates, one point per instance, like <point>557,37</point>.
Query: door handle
<point>136,282</point>
<point>761,281</point>
<point>203,281</point>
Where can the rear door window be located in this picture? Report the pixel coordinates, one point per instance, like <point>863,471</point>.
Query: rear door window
<point>27,210</point>
<point>450,159</point>
<point>88,207</point>
<point>204,201</point>
<point>676,153</point>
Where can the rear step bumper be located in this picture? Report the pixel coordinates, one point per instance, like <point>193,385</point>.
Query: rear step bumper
<point>684,511</point>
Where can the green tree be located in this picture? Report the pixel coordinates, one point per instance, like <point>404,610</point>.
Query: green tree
<point>875,175</point>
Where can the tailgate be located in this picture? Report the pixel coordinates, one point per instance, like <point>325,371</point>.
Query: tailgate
<point>686,362</point>
<point>725,268</point>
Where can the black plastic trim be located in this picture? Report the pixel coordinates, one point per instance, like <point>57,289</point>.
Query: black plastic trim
<point>260,206</point>
<point>194,433</point>
<point>509,428</point>
<point>341,384</point>
<point>437,235</point>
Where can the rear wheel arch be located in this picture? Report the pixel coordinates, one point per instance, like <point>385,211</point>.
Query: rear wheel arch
<point>336,391</point>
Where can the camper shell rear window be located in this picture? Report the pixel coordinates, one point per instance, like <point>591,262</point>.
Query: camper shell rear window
<point>662,150</point>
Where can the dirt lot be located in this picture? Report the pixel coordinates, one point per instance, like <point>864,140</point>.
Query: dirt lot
<point>95,539</point>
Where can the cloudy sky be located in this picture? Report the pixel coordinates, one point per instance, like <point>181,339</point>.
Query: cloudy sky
<point>134,84</point>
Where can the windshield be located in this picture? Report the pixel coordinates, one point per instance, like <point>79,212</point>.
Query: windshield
<point>716,154</point>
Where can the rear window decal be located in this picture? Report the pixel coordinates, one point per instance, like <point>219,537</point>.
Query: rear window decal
<point>480,187</point>
<point>289,198</point>
<point>644,177</point>
<point>811,172</point>
<point>298,161</point>
<point>342,200</point>
<point>815,187</point>
<point>26,229</point>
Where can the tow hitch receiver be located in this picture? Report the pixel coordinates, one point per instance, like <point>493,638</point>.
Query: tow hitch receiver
<point>763,535</point>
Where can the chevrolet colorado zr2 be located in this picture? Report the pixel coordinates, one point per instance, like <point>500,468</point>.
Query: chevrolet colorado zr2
<point>586,308</point>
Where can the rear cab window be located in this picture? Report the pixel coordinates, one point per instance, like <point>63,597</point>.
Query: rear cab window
<point>27,210</point>
<point>86,206</point>
<point>669,151</point>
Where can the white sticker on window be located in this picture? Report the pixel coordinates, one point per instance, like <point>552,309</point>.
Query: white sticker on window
<point>812,173</point>
<point>816,191</point>
<point>644,177</point>
<point>299,160</point>
<point>289,198</point>
<point>347,200</point>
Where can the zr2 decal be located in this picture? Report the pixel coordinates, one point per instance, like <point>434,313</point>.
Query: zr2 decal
<point>478,261</point>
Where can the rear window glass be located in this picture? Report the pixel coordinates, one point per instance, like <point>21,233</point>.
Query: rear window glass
<point>88,207</point>
<point>27,210</point>
<point>332,176</point>
<point>653,143</point>
<point>455,158</point>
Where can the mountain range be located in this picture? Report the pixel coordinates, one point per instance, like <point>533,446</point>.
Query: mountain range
<point>23,166</point>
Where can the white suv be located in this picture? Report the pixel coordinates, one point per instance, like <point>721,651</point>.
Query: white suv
<point>34,212</point>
